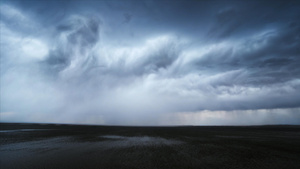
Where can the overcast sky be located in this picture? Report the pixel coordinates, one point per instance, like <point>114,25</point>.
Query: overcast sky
<point>147,62</point>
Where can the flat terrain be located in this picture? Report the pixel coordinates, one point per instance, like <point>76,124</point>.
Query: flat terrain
<point>44,146</point>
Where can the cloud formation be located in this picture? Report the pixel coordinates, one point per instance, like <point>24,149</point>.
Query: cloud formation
<point>136,63</point>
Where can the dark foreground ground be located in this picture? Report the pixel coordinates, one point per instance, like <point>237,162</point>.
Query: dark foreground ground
<point>72,146</point>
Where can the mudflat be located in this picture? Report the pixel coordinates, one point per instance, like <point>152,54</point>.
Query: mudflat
<point>35,146</point>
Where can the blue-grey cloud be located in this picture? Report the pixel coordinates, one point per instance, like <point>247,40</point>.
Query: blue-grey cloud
<point>129,62</point>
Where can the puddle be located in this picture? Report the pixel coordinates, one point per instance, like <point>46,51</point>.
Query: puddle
<point>113,137</point>
<point>123,141</point>
<point>20,130</point>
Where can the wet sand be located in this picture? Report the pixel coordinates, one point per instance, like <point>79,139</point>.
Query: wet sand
<point>77,146</point>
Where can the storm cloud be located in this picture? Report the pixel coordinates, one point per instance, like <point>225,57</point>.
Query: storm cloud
<point>150,62</point>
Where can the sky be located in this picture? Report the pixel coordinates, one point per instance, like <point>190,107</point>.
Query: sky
<point>149,62</point>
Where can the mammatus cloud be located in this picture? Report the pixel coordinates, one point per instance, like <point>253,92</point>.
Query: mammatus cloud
<point>89,66</point>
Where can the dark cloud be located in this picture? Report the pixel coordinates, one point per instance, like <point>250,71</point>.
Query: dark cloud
<point>76,38</point>
<point>127,17</point>
<point>129,62</point>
